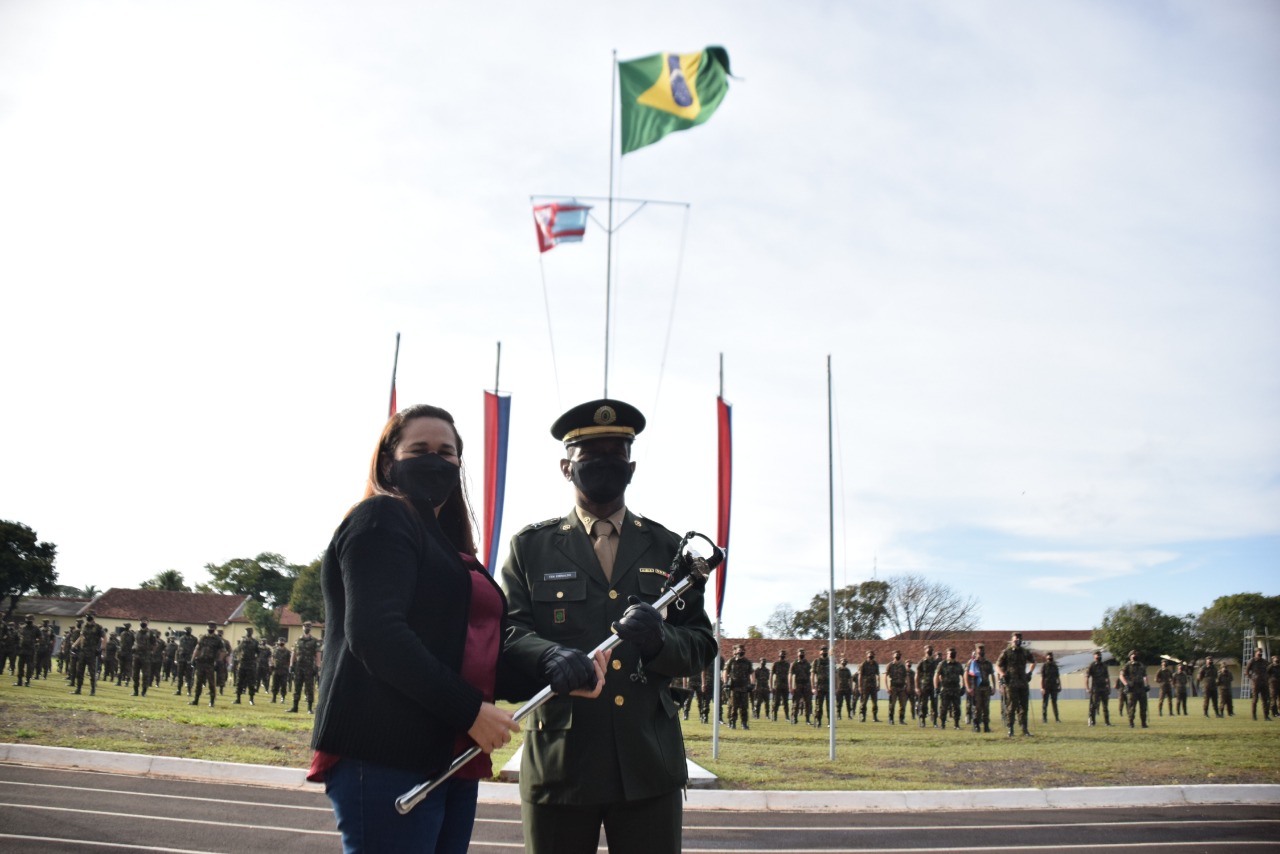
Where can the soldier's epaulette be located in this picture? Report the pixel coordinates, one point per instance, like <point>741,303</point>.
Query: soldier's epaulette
<point>536,525</point>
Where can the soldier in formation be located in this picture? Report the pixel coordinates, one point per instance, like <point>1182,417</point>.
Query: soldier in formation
<point>143,650</point>
<point>1181,681</point>
<point>895,684</point>
<point>737,677</point>
<point>844,690</point>
<point>926,694</point>
<point>1164,682</point>
<point>760,689</point>
<point>183,668</point>
<point>1050,687</point>
<point>1134,677</point>
<point>246,666</point>
<point>224,662</point>
<point>280,671</point>
<point>705,689</point>
<point>1097,681</point>
<point>821,678</point>
<point>780,682</point>
<point>1257,674</point>
<point>979,682</point>
<point>208,652</point>
<point>306,661</point>
<point>65,654</point>
<point>948,682</point>
<point>869,686</point>
<point>801,689</point>
<point>1224,691</point>
<point>1273,685</point>
<point>127,638</point>
<point>44,650</point>
<point>88,648</point>
<point>28,639</point>
<point>1015,666</point>
<point>111,657</point>
<point>1208,679</point>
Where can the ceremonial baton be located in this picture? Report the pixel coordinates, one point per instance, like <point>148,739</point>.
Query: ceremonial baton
<point>687,570</point>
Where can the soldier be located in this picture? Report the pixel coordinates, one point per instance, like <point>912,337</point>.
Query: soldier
<point>1134,677</point>
<point>1225,678</point>
<point>1208,679</point>
<point>44,650</point>
<point>1164,681</point>
<point>28,638</point>
<point>621,763</point>
<point>948,679</point>
<point>1122,696</point>
<point>1273,685</point>
<point>737,677</point>
<point>66,665</point>
<point>143,648</point>
<point>1050,686</point>
<point>1097,681</point>
<point>88,648</point>
<point>1257,673</point>
<point>182,664</point>
<point>969,698</point>
<point>223,663</point>
<point>280,671</point>
<point>1015,666</point>
<point>760,689</point>
<point>305,662</point>
<point>780,682</point>
<point>844,690</point>
<point>8,646</point>
<point>1181,679</point>
<point>820,676</point>
<point>127,639</point>
<point>869,686</point>
<point>801,689</point>
<point>205,657</point>
<point>170,655</point>
<point>157,656</point>
<point>111,658</point>
<point>682,692</point>
<point>979,682</point>
<point>895,683</point>
<point>926,696</point>
<point>247,666</point>
<point>705,687</point>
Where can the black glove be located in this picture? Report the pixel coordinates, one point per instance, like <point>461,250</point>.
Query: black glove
<point>642,625</point>
<point>567,669</point>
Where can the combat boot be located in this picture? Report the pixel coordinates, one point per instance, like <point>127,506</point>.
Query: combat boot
<point>76,691</point>
<point>295,710</point>
<point>1025,731</point>
<point>236,701</point>
<point>986,727</point>
<point>1010,735</point>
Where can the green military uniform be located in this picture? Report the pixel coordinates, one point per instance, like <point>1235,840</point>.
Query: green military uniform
<point>247,666</point>
<point>950,679</point>
<point>781,684</point>
<point>869,686</point>
<point>737,678</point>
<point>111,658</point>
<point>1257,673</point>
<point>1273,685</point>
<point>844,690</point>
<point>896,673</point>
<point>182,663</point>
<point>88,648</point>
<point>66,653</point>
<point>1013,664</point>
<point>625,746</point>
<point>1135,683</point>
<point>1164,681</point>
<point>143,648</point>
<point>760,689</point>
<point>304,668</point>
<point>280,671</point>
<point>820,678</point>
<point>926,698</point>
<point>28,640</point>
<point>127,639</point>
<point>983,676</point>
<point>1098,680</point>
<point>1225,678</point>
<point>801,689</point>
<point>208,652</point>
<point>1050,687</point>
<point>1181,681</point>
<point>1208,679</point>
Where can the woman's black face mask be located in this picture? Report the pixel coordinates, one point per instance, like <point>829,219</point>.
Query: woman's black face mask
<point>428,479</point>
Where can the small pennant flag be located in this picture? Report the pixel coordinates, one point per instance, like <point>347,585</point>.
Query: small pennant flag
<point>560,222</point>
<point>667,92</point>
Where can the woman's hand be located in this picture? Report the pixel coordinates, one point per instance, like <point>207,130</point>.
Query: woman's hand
<point>493,727</point>
<point>600,661</point>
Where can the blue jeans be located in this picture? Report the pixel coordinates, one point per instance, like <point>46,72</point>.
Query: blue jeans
<point>363,796</point>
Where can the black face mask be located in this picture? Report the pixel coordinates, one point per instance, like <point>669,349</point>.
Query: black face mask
<point>603,479</point>
<point>428,479</point>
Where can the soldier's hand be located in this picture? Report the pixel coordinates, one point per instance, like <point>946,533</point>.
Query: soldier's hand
<point>492,727</point>
<point>567,670</point>
<point>600,661</point>
<point>642,625</point>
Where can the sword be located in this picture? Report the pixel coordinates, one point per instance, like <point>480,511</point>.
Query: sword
<point>687,570</point>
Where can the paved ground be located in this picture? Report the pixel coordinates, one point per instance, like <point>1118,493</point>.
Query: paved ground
<point>51,810</point>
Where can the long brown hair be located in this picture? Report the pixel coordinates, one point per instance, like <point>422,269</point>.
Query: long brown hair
<point>455,516</point>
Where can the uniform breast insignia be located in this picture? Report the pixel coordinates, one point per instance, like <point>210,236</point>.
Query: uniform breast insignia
<point>558,616</point>
<point>653,570</point>
<point>560,576</point>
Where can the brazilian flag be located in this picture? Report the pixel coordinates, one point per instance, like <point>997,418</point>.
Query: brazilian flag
<point>667,92</point>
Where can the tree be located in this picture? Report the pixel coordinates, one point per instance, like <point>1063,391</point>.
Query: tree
<point>267,578</point>
<point>307,599</point>
<point>754,632</point>
<point>169,579</point>
<point>1221,627</point>
<point>928,609</point>
<point>860,612</point>
<point>782,622</point>
<point>26,564</point>
<point>1137,625</point>
<point>263,619</point>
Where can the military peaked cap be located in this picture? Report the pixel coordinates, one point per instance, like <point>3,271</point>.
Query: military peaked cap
<point>598,419</point>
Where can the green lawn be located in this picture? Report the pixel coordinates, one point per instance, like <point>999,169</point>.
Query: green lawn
<point>768,756</point>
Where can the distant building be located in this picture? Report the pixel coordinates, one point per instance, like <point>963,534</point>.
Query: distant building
<point>170,610</point>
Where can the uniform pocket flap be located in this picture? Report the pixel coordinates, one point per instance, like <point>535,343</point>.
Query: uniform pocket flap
<point>568,590</point>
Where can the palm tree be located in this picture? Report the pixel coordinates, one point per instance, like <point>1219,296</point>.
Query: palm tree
<point>170,579</point>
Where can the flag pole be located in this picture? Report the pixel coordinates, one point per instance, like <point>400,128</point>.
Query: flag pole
<point>831,591</point>
<point>395,364</point>
<point>715,691</point>
<point>608,254</point>
<point>497,368</point>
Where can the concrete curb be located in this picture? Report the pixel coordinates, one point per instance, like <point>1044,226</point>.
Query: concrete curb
<point>698,799</point>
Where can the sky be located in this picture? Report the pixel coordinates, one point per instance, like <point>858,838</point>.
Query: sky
<point>1036,243</point>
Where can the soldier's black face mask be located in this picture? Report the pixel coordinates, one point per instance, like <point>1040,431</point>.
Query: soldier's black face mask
<point>428,479</point>
<point>602,479</point>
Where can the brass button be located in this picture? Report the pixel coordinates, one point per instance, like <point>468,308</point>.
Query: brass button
<point>617,665</point>
<point>618,700</point>
<point>613,594</point>
<point>559,594</point>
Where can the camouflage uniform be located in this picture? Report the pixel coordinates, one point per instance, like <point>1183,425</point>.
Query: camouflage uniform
<point>280,671</point>
<point>44,650</point>
<point>1208,679</point>
<point>981,677</point>
<point>801,689</point>
<point>1098,680</point>
<point>737,677</point>
<point>1181,679</point>
<point>895,675</point>
<point>207,653</point>
<point>126,655</point>
<point>170,656</point>
<point>781,685</point>
<point>869,686</point>
<point>926,697</point>
<point>182,663</point>
<point>8,646</point>
<point>88,647</point>
<point>223,663</point>
<point>844,690</point>
<point>821,679</point>
<point>247,666</point>
<point>1257,673</point>
<point>111,658</point>
<point>1225,678</point>
<point>1135,683</point>
<point>304,667</point>
<point>1050,686</point>
<point>67,653</point>
<point>950,678</point>
<point>143,648</point>
<point>760,690</point>
<point>704,688</point>
<point>1013,665</point>
<point>28,638</point>
<point>1164,681</point>
<point>1273,685</point>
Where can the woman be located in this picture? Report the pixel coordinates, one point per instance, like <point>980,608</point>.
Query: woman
<point>413,634</point>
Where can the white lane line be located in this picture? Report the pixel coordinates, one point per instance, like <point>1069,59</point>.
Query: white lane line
<point>88,843</point>
<point>961,827</point>
<point>170,797</point>
<point>171,819</point>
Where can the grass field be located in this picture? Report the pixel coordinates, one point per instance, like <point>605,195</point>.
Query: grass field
<point>869,756</point>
